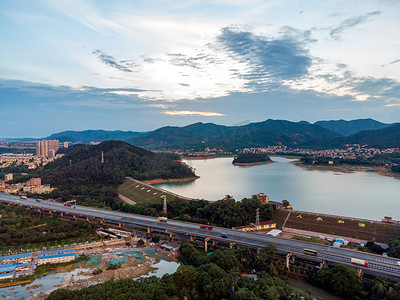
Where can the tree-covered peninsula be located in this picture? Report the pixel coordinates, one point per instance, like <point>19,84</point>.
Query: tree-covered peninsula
<point>251,159</point>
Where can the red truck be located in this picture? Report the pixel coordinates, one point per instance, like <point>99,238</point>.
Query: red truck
<point>206,227</point>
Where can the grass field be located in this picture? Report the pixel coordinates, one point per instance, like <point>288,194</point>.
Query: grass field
<point>345,227</point>
<point>141,193</point>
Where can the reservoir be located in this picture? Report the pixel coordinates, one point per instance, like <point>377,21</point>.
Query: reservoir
<point>361,194</point>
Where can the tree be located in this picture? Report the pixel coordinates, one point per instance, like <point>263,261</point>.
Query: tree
<point>345,281</point>
<point>140,243</point>
<point>213,282</point>
<point>285,203</point>
<point>185,279</point>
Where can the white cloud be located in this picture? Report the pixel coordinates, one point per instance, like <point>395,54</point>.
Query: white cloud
<point>193,113</point>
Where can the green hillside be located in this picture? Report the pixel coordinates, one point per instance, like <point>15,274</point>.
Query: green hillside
<point>201,135</point>
<point>81,173</point>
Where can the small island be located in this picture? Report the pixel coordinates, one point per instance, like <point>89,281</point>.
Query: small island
<point>249,159</point>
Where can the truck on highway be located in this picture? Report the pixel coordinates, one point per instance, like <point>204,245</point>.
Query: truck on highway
<point>206,227</point>
<point>360,262</point>
<point>162,219</point>
<point>39,200</point>
<point>224,235</point>
<point>23,197</point>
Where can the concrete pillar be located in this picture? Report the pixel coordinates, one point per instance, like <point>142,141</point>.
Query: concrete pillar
<point>288,259</point>
<point>148,229</point>
<point>191,239</point>
<point>323,263</point>
<point>214,242</point>
<point>205,243</point>
<point>170,235</point>
<point>231,245</point>
<point>360,272</point>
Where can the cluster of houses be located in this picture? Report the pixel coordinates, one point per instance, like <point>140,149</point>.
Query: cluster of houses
<point>350,152</point>
<point>31,161</point>
<point>32,186</point>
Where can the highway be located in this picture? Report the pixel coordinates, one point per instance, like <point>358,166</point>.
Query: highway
<point>389,267</point>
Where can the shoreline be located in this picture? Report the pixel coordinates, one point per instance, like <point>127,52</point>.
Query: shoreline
<point>381,170</point>
<point>155,181</point>
<point>205,157</point>
<point>253,164</point>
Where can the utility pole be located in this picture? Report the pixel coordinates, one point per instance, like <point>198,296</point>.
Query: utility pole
<point>165,204</point>
<point>102,157</point>
<point>258,217</point>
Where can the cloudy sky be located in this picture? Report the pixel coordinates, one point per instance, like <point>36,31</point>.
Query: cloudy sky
<point>139,65</point>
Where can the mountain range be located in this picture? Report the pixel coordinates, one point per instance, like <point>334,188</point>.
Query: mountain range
<point>322,134</point>
<point>198,136</point>
<point>92,135</point>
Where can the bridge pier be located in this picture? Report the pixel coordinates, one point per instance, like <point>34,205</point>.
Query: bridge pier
<point>323,263</point>
<point>231,245</point>
<point>360,272</point>
<point>288,256</point>
<point>205,243</point>
<point>191,239</point>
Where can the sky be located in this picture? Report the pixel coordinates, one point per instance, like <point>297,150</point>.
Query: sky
<point>140,65</point>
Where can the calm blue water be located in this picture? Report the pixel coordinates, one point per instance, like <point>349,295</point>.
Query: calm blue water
<point>362,194</point>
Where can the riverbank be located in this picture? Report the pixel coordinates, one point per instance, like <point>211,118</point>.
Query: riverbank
<point>155,181</point>
<point>205,157</point>
<point>254,163</point>
<point>381,170</point>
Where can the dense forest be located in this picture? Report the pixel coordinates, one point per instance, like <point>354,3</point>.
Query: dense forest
<point>217,275</point>
<point>250,158</point>
<point>81,173</point>
<point>224,213</point>
<point>33,230</point>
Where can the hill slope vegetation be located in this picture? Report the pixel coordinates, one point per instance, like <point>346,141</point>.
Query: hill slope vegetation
<point>201,135</point>
<point>81,172</point>
<point>348,128</point>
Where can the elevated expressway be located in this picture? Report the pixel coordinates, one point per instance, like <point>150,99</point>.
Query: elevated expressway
<point>377,265</point>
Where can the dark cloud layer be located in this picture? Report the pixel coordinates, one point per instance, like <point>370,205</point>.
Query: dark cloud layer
<point>351,22</point>
<point>279,58</point>
<point>122,65</point>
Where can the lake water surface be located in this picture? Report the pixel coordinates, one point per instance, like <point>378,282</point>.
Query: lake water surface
<point>360,194</point>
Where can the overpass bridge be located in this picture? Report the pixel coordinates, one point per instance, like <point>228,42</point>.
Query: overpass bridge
<point>326,255</point>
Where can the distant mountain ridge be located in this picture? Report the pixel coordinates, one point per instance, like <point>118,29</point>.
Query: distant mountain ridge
<point>348,128</point>
<point>92,135</point>
<point>388,137</point>
<point>201,135</point>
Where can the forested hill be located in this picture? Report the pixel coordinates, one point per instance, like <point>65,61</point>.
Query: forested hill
<point>381,138</point>
<point>81,174</point>
<point>347,128</point>
<point>83,165</point>
<point>92,135</point>
<point>200,135</point>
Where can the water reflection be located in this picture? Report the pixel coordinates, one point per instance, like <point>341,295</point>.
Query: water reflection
<point>361,194</point>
